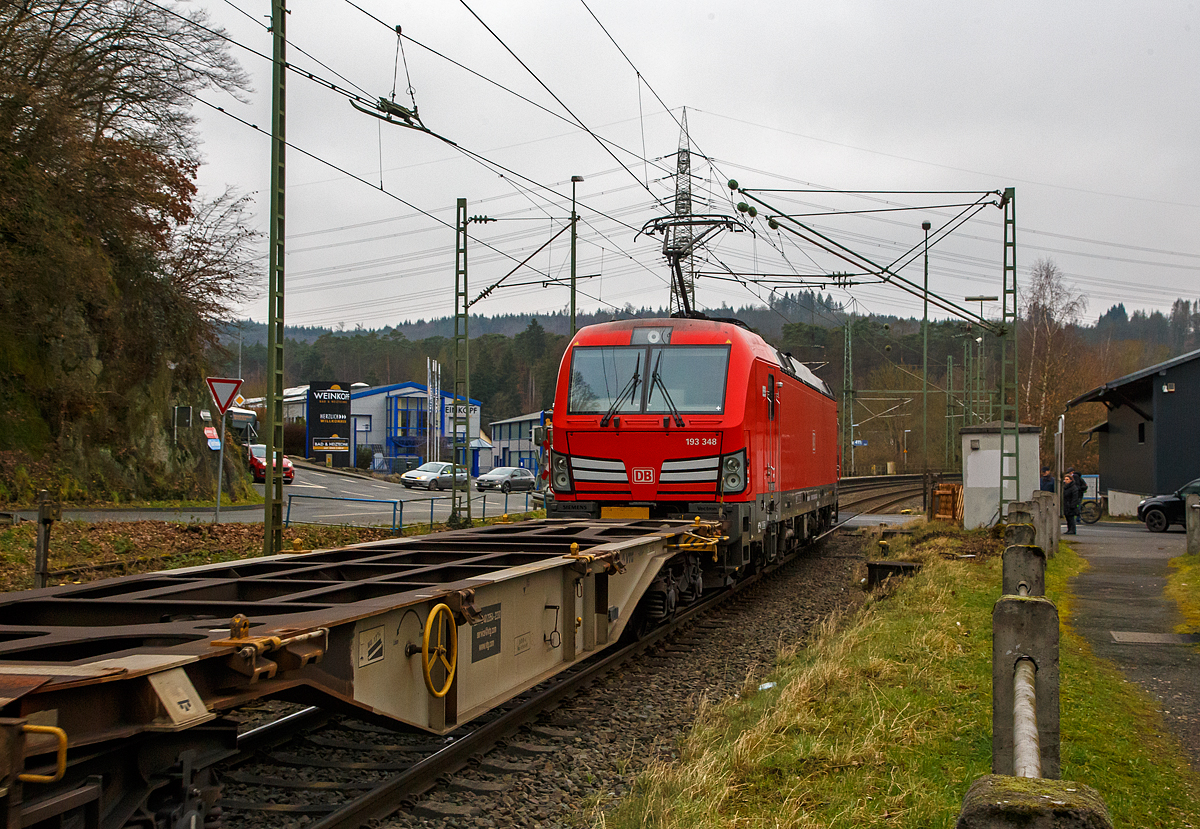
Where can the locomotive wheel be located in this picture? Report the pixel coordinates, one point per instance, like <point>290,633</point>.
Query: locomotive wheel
<point>439,647</point>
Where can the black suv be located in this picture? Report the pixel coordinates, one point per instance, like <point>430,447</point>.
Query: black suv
<point>1161,511</point>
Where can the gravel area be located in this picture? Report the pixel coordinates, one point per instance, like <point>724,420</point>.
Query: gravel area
<point>586,754</point>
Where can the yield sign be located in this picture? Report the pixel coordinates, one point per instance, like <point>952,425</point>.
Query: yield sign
<point>223,390</point>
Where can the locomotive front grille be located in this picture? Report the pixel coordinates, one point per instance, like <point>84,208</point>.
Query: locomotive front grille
<point>595,470</point>
<point>691,470</point>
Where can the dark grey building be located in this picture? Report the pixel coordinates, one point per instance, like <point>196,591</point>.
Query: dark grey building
<point>1150,442</point>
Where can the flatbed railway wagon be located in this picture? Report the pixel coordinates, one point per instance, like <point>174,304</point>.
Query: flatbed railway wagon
<point>685,417</point>
<point>115,693</point>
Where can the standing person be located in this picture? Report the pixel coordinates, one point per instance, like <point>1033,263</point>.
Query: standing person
<point>1073,487</point>
<point>1047,483</point>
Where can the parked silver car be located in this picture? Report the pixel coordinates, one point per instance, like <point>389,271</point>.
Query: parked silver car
<point>506,478</point>
<point>433,475</point>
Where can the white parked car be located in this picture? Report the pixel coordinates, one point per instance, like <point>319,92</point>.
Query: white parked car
<point>433,475</point>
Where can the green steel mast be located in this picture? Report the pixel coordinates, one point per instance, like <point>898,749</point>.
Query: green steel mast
<point>273,480</point>
<point>1010,412</point>
<point>460,509</point>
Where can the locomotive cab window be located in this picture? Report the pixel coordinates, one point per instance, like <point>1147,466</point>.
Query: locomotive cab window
<point>692,377</point>
<point>606,377</point>
<point>656,379</point>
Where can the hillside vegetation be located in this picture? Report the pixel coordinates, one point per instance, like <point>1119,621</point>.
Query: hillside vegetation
<point>114,271</point>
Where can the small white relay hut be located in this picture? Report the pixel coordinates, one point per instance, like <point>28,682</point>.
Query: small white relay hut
<point>981,471</point>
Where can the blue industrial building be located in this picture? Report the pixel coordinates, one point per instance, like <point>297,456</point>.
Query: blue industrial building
<point>393,421</point>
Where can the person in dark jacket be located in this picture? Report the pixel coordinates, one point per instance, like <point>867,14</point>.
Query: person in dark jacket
<point>1047,484</point>
<point>1073,489</point>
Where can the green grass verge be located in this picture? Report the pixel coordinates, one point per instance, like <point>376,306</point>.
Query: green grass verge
<point>1183,585</point>
<point>885,720</point>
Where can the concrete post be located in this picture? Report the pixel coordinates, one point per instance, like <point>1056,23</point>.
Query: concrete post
<point>1047,523</point>
<point>995,802</point>
<point>1025,628</point>
<point>1019,512</point>
<point>1024,565</point>
<point>1191,517</point>
<point>1023,534</point>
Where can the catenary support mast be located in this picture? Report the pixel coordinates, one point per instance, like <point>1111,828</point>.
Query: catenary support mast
<point>460,509</point>
<point>273,480</point>
<point>1010,411</point>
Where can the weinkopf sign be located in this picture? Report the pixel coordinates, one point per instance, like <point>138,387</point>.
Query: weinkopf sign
<point>328,418</point>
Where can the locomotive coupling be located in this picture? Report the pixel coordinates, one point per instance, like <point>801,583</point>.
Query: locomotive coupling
<point>701,536</point>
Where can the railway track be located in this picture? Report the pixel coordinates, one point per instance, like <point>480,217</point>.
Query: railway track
<point>338,772</point>
<point>342,772</point>
<point>365,606</point>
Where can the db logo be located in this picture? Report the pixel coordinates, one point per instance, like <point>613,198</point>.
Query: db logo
<point>643,476</point>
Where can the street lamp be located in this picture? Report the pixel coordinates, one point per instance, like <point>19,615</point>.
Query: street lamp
<point>906,431</point>
<point>574,180</point>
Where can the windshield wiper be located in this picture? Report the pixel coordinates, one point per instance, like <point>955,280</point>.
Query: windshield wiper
<point>656,380</point>
<point>630,388</point>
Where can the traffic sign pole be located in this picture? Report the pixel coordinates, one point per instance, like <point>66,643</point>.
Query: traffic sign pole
<point>223,390</point>
<point>220,470</point>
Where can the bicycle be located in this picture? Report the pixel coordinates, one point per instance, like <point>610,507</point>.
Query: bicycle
<point>1090,511</point>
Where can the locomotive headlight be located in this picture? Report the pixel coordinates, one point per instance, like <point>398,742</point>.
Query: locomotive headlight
<point>560,475</point>
<point>733,472</point>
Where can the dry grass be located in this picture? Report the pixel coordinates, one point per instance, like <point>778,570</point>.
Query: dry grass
<point>82,551</point>
<point>884,721</point>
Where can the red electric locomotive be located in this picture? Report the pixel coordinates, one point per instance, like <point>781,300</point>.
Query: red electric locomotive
<point>682,417</point>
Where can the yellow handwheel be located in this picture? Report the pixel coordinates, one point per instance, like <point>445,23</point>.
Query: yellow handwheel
<point>438,651</point>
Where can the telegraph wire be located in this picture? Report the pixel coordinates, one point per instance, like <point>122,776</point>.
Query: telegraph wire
<point>561,103</point>
<point>345,172</point>
<point>576,124</point>
<point>287,65</point>
<point>947,166</point>
<point>309,55</point>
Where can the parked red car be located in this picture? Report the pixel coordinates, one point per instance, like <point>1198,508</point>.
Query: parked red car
<point>257,455</point>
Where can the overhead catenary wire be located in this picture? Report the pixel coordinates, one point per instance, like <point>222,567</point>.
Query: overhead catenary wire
<point>553,95</point>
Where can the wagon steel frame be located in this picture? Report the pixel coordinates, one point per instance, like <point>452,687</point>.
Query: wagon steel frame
<point>134,672</point>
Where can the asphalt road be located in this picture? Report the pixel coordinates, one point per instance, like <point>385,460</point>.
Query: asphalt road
<point>320,497</point>
<point>1122,610</point>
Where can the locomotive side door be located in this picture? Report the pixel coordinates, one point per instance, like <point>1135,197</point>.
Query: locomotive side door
<point>771,453</point>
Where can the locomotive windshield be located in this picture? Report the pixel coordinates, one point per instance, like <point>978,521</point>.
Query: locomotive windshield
<point>606,379</point>
<point>631,379</point>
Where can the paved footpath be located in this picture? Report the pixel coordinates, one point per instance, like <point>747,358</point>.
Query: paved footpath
<point>1121,609</point>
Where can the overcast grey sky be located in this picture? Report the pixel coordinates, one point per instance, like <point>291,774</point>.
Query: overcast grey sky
<point>1090,110</point>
